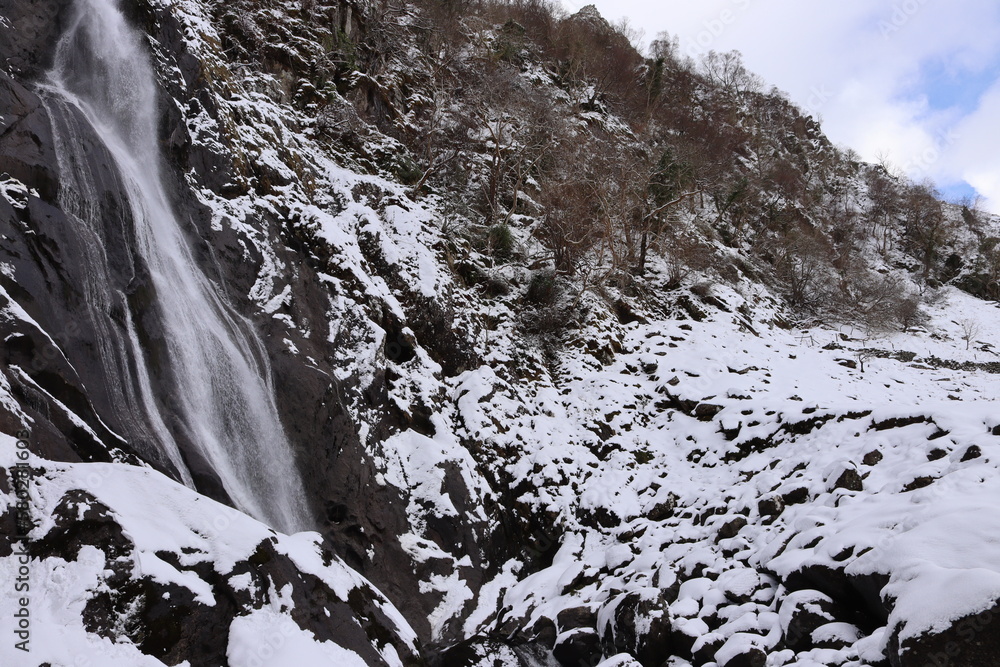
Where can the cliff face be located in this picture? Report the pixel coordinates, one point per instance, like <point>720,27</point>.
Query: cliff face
<point>305,249</point>
<point>522,439</point>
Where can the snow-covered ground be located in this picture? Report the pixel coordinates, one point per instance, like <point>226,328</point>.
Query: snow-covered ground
<point>887,472</point>
<point>704,466</point>
<point>148,529</point>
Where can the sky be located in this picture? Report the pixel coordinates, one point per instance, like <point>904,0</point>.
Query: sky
<point>915,83</point>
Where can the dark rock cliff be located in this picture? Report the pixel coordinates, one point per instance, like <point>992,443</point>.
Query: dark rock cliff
<point>61,368</point>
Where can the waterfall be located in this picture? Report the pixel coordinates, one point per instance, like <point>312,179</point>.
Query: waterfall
<point>222,401</point>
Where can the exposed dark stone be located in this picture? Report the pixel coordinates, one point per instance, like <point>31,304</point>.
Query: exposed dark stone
<point>713,300</point>
<point>626,314</point>
<point>639,626</point>
<point>938,434</point>
<point>753,657</point>
<point>872,458</point>
<point>731,528</point>
<point>899,422</point>
<point>28,44</point>
<point>806,426</point>
<point>919,483</point>
<point>663,510</point>
<point>576,617</point>
<point>973,641</point>
<point>859,596</point>
<point>835,636</point>
<point>26,142</point>
<point>747,447</point>
<point>973,452</point>
<point>731,434</point>
<point>850,480</point>
<point>167,622</point>
<point>578,647</point>
<point>681,643</point>
<point>706,412</point>
<point>598,517</point>
<point>479,652</point>
<point>689,307</point>
<point>770,507</point>
<point>795,496</point>
<point>81,520</point>
<point>806,611</point>
<point>706,652</point>
<point>544,632</point>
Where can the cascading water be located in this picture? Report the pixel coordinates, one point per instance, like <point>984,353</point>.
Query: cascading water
<point>223,402</point>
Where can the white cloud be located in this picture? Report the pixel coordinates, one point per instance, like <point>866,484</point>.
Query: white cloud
<point>860,65</point>
<point>976,156</point>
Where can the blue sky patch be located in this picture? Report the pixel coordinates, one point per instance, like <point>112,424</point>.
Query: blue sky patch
<point>949,88</point>
<point>957,192</point>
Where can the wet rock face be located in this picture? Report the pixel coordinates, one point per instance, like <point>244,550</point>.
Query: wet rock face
<point>362,518</point>
<point>80,361</point>
<point>26,145</point>
<point>43,247</point>
<point>34,26</point>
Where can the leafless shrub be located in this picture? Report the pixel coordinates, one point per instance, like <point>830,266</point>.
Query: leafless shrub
<point>683,255</point>
<point>908,312</point>
<point>339,119</point>
<point>876,301</point>
<point>702,289</point>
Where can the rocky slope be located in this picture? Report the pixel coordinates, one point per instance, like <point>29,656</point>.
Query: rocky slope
<point>516,454</point>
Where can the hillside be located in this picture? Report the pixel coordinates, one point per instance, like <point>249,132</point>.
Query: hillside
<point>464,334</point>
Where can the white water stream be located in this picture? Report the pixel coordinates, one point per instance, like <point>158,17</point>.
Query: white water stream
<point>224,401</point>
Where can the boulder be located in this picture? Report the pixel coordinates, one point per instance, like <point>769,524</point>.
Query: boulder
<point>578,647</point>
<point>847,478</point>
<point>638,624</point>
<point>731,528</point>
<point>801,613</point>
<point>973,641</point>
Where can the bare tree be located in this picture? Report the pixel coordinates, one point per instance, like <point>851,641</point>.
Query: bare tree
<point>926,227</point>
<point>727,71</point>
<point>884,205</point>
<point>801,258</point>
<point>970,330</point>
